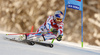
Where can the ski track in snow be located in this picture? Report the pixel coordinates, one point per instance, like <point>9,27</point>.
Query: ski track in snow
<point>14,48</point>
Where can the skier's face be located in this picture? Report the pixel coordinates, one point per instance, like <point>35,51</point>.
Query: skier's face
<point>58,20</point>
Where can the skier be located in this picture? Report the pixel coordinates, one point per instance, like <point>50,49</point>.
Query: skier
<point>53,24</point>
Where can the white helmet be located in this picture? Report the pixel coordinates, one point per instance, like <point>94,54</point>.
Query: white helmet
<point>58,14</point>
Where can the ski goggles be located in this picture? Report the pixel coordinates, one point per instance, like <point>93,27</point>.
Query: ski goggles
<point>58,19</point>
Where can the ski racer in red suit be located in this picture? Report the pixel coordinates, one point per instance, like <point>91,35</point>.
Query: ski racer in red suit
<point>53,24</point>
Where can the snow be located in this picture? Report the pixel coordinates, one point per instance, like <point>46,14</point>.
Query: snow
<point>60,48</point>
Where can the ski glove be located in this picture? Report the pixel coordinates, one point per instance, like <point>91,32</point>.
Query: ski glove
<point>59,38</point>
<point>54,31</point>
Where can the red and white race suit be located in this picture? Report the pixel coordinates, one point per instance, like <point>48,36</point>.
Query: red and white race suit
<point>50,23</point>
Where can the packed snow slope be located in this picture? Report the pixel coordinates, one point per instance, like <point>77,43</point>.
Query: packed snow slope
<point>60,48</point>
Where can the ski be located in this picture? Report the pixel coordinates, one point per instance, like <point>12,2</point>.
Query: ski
<point>43,44</point>
<point>29,42</point>
<point>23,41</point>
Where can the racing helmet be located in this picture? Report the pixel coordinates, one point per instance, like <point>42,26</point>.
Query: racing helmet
<point>58,14</point>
